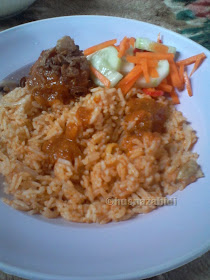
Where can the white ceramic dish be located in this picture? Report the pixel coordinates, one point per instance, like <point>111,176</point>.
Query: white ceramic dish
<point>147,245</point>
<point>12,7</point>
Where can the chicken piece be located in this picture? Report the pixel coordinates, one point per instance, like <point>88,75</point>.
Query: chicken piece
<point>61,74</point>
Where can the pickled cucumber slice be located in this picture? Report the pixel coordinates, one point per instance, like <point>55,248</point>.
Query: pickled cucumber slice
<point>163,71</point>
<point>107,62</point>
<point>147,45</point>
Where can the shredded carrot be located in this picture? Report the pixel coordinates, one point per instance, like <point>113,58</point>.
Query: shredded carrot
<point>174,75</point>
<point>129,80</point>
<point>181,72</point>
<point>168,80</point>
<point>159,40</point>
<point>145,70</point>
<point>174,97</point>
<point>164,81</point>
<point>187,83</point>
<point>100,46</point>
<point>152,63</point>
<point>117,48</point>
<point>137,60</point>
<point>191,59</point>
<point>132,41</point>
<point>136,71</point>
<point>133,59</point>
<point>197,64</point>
<point>165,87</point>
<point>125,89</point>
<point>158,56</point>
<point>124,45</point>
<point>153,73</point>
<point>158,48</point>
<point>100,76</point>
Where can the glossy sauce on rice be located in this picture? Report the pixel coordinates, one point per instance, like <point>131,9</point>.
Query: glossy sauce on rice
<point>68,159</point>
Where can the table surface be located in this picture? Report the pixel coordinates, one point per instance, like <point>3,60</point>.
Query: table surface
<point>188,17</point>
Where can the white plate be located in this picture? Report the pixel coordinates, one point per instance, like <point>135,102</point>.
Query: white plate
<point>147,245</point>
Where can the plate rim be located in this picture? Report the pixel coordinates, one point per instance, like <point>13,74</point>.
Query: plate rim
<point>154,271</point>
<point>150,272</point>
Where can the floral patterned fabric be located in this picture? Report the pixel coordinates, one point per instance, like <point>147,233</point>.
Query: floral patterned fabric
<point>196,13</point>
<point>188,17</point>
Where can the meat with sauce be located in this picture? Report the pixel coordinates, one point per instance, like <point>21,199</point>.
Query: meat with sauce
<point>144,117</point>
<point>61,74</point>
<point>65,146</point>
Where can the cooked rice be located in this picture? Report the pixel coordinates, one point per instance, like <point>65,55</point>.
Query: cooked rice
<point>150,170</point>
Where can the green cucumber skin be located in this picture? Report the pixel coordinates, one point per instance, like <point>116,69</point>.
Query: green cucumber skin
<point>144,44</point>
